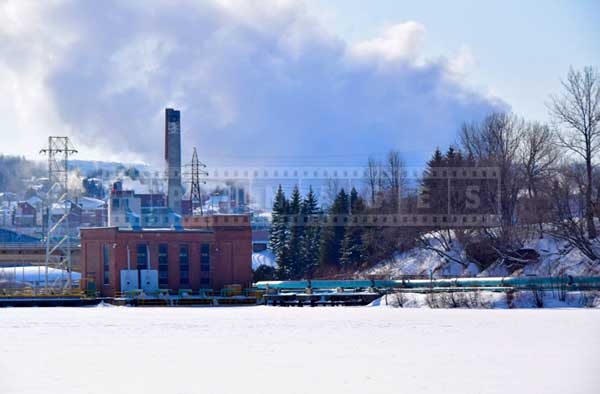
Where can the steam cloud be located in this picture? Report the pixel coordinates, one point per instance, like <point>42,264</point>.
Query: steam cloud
<point>253,80</point>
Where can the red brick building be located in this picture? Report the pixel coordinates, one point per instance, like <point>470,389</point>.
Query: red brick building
<point>209,252</point>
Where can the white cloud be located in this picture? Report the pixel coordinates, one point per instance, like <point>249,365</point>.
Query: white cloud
<point>403,41</point>
<point>462,62</point>
<point>251,79</point>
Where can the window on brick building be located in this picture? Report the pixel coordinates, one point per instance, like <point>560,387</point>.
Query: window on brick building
<point>205,258</point>
<point>142,256</point>
<point>184,265</point>
<point>106,263</point>
<point>163,265</point>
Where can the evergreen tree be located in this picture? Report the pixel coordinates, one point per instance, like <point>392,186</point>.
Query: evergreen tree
<point>278,238</point>
<point>434,195</point>
<point>451,157</point>
<point>357,204</point>
<point>311,240</point>
<point>457,192</point>
<point>353,249</point>
<point>333,234</point>
<point>296,232</point>
<point>264,272</point>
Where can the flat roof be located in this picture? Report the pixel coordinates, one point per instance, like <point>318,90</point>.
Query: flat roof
<point>152,230</point>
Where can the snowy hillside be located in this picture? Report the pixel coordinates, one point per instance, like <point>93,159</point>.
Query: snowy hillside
<point>555,260</point>
<point>421,262</point>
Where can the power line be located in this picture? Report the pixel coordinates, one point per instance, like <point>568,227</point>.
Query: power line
<point>196,171</point>
<point>58,235</point>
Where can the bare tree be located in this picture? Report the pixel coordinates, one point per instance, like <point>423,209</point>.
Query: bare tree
<point>395,176</point>
<point>539,161</point>
<point>568,195</point>
<point>577,110</point>
<point>333,187</point>
<point>372,174</point>
<point>440,241</point>
<point>495,142</point>
<point>375,177</point>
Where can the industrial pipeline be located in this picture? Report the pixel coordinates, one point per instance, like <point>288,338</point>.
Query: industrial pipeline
<point>489,283</point>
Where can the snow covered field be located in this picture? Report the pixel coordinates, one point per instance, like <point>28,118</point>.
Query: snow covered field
<point>289,350</point>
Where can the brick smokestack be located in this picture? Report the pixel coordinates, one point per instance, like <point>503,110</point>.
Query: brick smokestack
<point>173,158</point>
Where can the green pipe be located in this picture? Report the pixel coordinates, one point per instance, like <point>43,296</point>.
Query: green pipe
<point>514,282</point>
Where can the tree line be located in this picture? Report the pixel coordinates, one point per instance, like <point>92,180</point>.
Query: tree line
<point>303,245</point>
<point>548,184</point>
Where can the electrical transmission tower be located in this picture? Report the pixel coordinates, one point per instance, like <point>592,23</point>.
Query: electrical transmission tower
<point>196,171</point>
<point>58,230</point>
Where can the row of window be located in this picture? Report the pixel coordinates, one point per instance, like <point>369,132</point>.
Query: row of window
<point>116,203</point>
<point>149,219</point>
<point>143,260</point>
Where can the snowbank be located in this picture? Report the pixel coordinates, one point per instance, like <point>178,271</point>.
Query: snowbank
<point>266,257</point>
<point>491,300</point>
<point>33,274</point>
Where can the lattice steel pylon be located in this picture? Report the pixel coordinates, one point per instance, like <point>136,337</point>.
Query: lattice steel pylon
<point>196,171</point>
<point>58,230</point>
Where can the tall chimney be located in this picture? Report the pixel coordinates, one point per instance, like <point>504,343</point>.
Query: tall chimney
<point>173,158</point>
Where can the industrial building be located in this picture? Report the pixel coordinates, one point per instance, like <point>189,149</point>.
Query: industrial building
<point>127,209</point>
<point>21,250</point>
<point>209,253</point>
<point>149,246</point>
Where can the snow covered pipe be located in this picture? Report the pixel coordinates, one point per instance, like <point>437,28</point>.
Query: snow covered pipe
<point>516,282</point>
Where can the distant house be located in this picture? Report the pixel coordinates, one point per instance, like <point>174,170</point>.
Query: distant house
<point>35,201</point>
<point>8,196</point>
<point>25,215</point>
<point>58,210</point>
<point>94,212</point>
<point>5,215</point>
<point>38,203</point>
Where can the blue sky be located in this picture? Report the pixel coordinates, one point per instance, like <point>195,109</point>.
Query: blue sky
<point>521,48</point>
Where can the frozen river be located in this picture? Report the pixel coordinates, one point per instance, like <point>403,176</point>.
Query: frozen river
<point>288,350</point>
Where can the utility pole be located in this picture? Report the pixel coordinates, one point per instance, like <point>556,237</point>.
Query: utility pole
<point>58,231</point>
